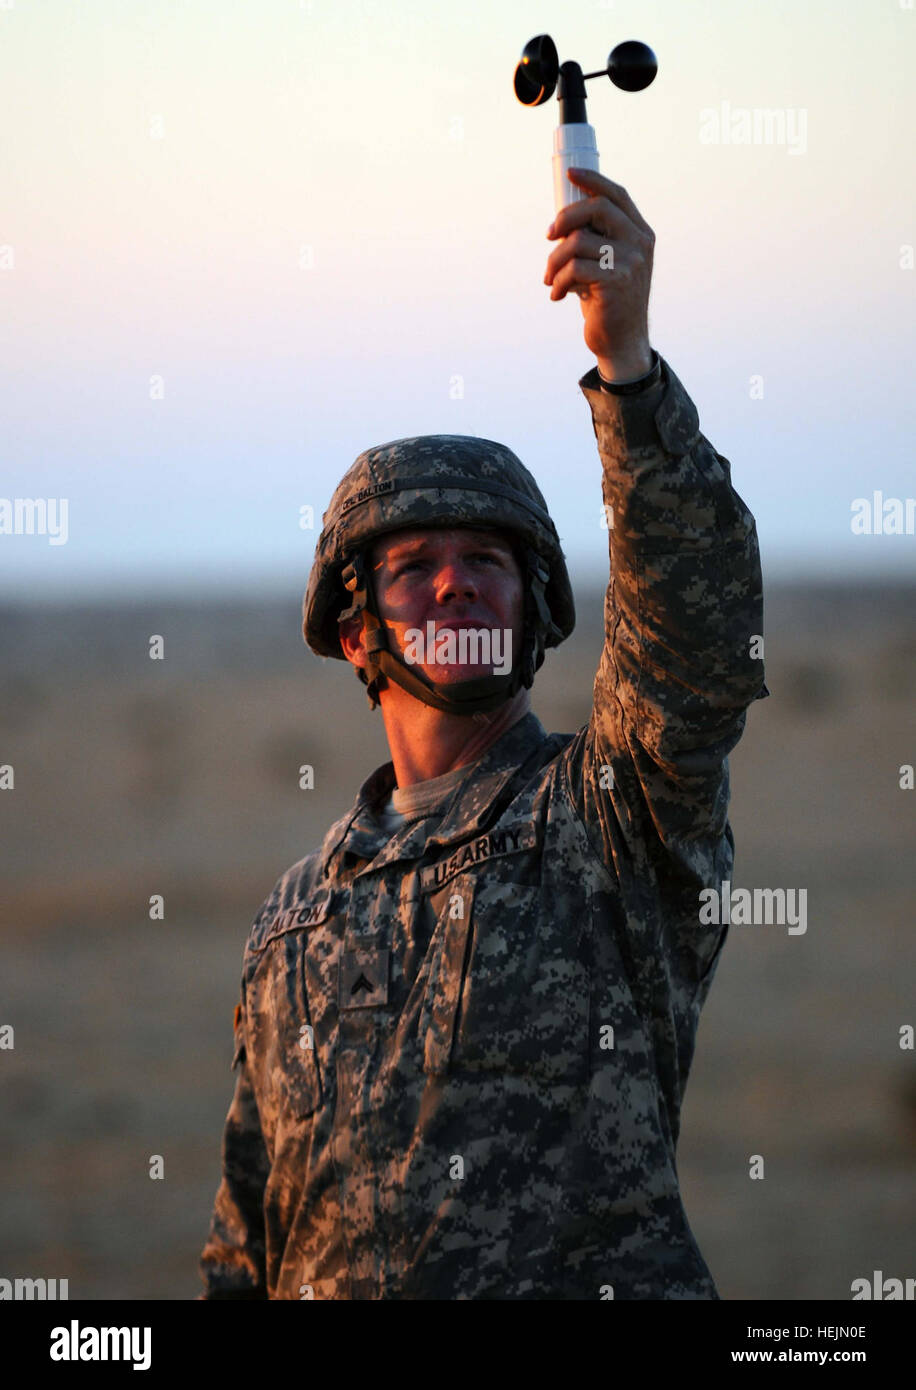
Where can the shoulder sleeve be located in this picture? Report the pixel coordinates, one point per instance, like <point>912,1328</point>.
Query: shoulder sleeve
<point>648,775</point>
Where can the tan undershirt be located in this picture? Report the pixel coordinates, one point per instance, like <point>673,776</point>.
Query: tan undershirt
<point>412,803</point>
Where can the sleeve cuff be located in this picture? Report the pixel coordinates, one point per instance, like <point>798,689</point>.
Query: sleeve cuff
<point>632,388</point>
<point>661,412</point>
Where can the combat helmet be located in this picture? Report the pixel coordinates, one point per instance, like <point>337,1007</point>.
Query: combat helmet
<point>436,480</point>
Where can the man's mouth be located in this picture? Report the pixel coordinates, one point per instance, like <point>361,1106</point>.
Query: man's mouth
<point>467,625</point>
<point>473,643</point>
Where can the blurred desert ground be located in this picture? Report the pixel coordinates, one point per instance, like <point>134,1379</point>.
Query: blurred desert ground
<point>179,777</point>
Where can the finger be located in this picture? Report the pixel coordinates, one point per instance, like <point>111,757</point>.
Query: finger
<point>577,273</point>
<point>599,215</point>
<point>583,242</point>
<point>599,186</point>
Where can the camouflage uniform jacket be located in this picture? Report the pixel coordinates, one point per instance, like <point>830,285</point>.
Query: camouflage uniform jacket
<point>461,1051</point>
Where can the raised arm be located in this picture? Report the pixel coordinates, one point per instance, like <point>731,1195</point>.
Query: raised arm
<point>679,666</point>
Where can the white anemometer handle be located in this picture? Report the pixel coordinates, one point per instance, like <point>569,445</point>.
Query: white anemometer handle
<point>574,147</point>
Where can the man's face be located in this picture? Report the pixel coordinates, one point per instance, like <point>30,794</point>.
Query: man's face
<point>463,579</point>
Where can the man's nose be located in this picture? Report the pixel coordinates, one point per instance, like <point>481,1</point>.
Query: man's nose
<point>454,580</point>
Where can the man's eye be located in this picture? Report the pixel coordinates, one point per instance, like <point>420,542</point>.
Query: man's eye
<point>418,564</point>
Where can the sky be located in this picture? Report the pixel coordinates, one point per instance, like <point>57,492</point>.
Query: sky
<point>242,242</point>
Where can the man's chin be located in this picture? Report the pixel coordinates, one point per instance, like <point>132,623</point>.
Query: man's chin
<point>453,674</point>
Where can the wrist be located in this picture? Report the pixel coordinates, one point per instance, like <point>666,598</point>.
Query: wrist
<point>627,367</point>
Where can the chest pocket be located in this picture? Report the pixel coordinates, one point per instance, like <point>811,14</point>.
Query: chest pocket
<point>508,988</point>
<point>282,1052</point>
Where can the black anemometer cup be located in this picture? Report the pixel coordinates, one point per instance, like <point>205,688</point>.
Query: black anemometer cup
<point>631,66</point>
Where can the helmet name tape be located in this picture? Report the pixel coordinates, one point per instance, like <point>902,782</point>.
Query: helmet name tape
<point>365,493</point>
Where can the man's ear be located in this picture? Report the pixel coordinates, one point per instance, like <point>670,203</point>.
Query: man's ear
<point>351,640</point>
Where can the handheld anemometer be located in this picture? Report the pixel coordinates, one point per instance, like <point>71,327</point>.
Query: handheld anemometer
<point>631,66</point>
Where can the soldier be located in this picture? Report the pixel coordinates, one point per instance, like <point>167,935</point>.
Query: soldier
<point>467,1021</point>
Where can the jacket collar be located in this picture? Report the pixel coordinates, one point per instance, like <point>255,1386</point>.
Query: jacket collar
<point>360,834</point>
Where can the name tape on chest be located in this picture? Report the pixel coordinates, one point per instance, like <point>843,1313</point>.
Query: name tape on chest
<point>294,918</point>
<point>490,846</point>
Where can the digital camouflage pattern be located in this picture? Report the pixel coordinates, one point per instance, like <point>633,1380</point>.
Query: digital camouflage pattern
<point>461,1052</point>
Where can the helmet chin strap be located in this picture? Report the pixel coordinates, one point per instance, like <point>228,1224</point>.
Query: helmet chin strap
<point>460,697</point>
<point>463,697</point>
